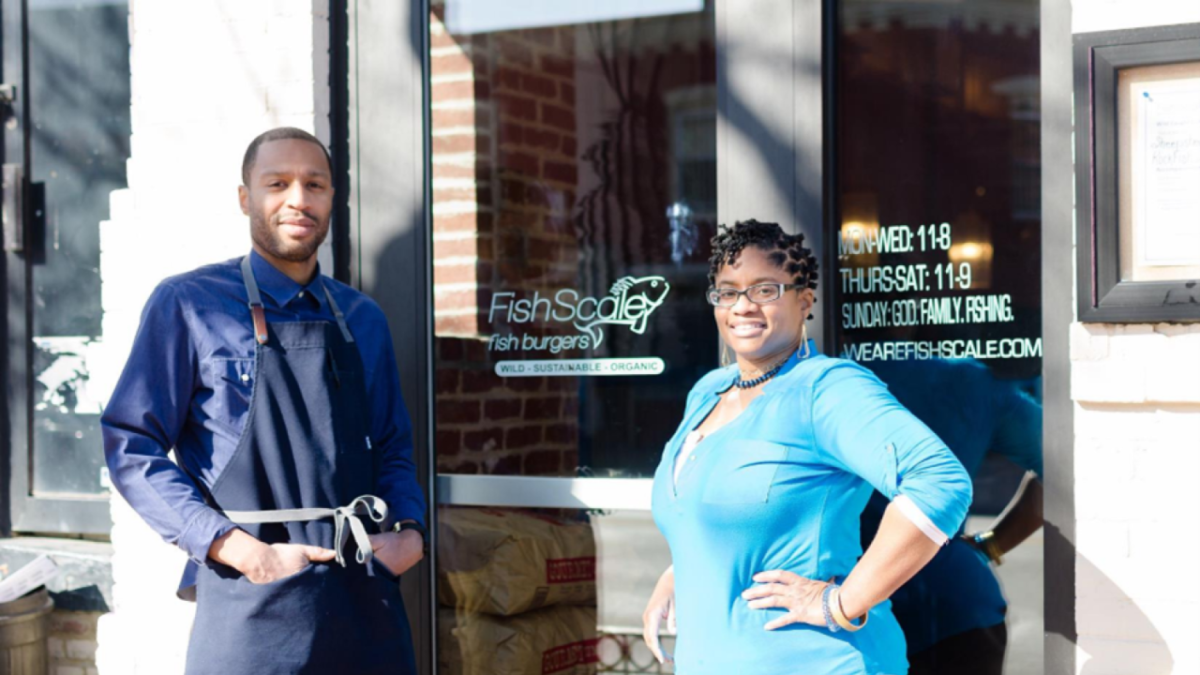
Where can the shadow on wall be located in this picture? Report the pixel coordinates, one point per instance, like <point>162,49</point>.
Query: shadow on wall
<point>396,265</point>
<point>789,176</point>
<point>1134,639</point>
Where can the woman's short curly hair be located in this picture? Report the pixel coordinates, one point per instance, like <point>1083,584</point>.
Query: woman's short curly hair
<point>785,251</point>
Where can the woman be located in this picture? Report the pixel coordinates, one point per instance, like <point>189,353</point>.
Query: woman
<point>759,492</point>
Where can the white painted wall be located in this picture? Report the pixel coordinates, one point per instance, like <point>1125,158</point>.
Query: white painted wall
<point>207,76</point>
<point>1137,455</point>
<point>1089,16</point>
<point>1137,458</point>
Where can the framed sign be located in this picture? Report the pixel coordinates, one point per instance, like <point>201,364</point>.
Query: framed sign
<point>1137,174</point>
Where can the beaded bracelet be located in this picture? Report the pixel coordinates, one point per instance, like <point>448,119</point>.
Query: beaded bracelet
<point>829,622</point>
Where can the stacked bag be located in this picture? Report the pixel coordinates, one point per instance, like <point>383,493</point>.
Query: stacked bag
<point>518,591</point>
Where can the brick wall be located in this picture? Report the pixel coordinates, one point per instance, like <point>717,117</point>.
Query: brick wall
<point>72,642</point>
<point>504,181</point>
<point>207,76</point>
<point>1137,454</point>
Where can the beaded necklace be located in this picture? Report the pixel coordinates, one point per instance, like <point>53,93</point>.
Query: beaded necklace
<point>750,384</point>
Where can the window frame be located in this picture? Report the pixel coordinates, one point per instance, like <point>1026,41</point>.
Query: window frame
<point>26,512</point>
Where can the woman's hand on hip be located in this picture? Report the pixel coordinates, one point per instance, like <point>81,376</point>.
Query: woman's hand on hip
<point>660,608</point>
<point>780,589</point>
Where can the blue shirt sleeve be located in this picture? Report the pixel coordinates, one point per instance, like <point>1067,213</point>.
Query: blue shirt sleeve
<point>1018,430</point>
<point>143,420</point>
<point>392,434</point>
<point>861,428</point>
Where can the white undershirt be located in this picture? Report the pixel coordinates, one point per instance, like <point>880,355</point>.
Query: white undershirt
<point>689,445</point>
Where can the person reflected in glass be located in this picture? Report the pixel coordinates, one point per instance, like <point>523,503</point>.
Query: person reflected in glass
<point>759,492</point>
<point>953,611</point>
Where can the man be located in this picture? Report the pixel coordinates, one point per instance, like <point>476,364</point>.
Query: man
<point>278,389</point>
<point>953,611</point>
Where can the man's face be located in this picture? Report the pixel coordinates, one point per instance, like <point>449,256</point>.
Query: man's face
<point>289,199</point>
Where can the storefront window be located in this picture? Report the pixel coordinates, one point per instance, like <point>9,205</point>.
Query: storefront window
<point>574,195</point>
<point>937,276</point>
<point>574,175</point>
<point>563,591</point>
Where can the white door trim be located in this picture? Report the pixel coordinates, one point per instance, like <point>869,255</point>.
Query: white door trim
<point>631,494</point>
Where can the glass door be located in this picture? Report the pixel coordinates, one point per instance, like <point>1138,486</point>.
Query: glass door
<point>67,134</point>
<point>574,194</point>
<point>937,277</point>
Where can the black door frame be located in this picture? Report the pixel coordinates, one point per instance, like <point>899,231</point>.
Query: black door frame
<point>386,233</point>
<point>1058,311</point>
<point>12,71</point>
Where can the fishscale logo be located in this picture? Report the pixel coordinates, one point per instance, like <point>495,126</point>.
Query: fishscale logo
<point>630,302</point>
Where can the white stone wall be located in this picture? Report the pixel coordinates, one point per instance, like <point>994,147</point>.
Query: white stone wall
<point>1089,16</point>
<point>207,76</point>
<point>1137,459</point>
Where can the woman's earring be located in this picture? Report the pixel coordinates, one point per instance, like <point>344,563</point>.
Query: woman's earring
<point>803,351</point>
<point>725,360</point>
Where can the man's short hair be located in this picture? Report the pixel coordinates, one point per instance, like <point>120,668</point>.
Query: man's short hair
<point>279,134</point>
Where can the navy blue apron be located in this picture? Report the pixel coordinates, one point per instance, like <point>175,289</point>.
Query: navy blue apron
<point>302,473</point>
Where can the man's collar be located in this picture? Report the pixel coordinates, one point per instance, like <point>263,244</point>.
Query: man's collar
<point>282,288</point>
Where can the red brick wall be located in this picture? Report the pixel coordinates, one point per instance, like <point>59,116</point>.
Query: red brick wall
<point>504,175</point>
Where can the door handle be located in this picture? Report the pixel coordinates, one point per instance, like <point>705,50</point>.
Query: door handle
<point>12,207</point>
<point>8,101</point>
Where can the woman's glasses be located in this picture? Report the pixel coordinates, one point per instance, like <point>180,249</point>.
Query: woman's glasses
<point>759,294</point>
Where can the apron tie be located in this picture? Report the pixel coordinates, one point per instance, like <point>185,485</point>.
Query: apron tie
<point>351,515</point>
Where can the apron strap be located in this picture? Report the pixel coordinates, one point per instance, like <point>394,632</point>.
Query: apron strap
<point>256,306</point>
<point>367,505</point>
<point>260,316</point>
<point>337,312</point>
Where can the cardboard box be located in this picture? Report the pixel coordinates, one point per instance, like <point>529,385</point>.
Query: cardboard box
<point>554,641</point>
<point>507,562</point>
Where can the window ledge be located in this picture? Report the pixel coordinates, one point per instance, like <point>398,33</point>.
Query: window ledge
<point>84,582</point>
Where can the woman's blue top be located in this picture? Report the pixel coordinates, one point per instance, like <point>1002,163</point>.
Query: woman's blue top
<point>782,487</point>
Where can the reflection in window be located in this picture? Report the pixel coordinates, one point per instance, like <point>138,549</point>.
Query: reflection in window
<point>937,279</point>
<point>574,180</point>
<point>545,591</point>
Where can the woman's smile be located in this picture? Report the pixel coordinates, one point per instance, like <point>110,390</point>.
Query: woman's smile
<point>747,329</point>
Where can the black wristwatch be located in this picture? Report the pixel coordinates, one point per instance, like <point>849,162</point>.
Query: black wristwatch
<point>413,525</point>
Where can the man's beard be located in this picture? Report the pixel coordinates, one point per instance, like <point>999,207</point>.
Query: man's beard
<point>269,239</point>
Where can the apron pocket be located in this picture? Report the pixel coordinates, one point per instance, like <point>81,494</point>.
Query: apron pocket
<point>383,572</point>
<point>743,472</point>
<point>243,628</point>
<point>295,576</point>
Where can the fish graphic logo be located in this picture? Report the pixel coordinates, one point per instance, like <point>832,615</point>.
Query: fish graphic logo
<point>635,299</point>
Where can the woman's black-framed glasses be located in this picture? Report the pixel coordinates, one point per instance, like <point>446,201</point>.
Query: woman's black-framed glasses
<point>759,294</point>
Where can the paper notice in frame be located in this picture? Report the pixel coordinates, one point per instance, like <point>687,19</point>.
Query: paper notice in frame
<point>1166,173</point>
